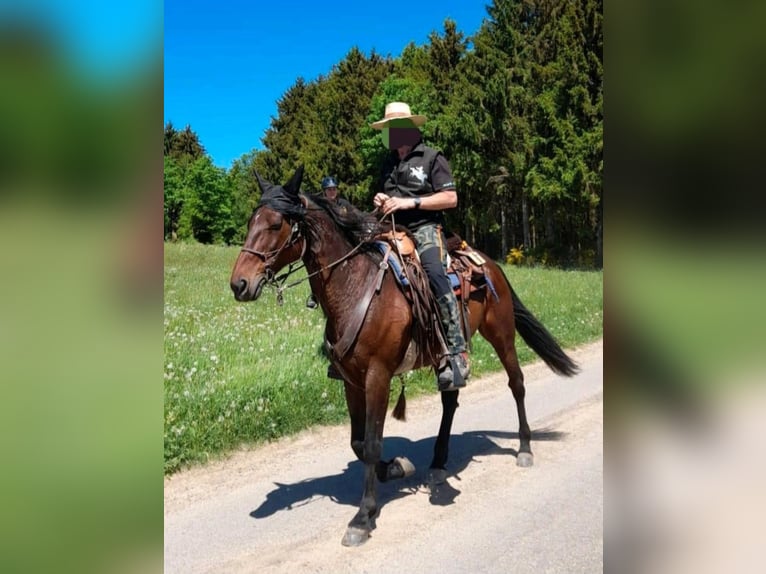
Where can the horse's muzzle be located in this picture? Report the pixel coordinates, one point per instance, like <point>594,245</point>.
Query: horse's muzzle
<point>244,291</point>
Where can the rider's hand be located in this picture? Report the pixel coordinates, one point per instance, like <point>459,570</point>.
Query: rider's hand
<point>395,204</point>
<point>379,199</point>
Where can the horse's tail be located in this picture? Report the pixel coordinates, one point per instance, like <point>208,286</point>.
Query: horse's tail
<point>539,339</point>
<point>400,410</point>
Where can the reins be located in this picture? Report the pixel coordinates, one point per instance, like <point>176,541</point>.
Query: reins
<point>270,256</point>
<point>282,288</point>
<point>280,282</point>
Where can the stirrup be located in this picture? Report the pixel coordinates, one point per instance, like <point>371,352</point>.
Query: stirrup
<point>452,377</point>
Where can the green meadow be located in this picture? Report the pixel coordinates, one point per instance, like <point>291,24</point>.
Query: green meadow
<point>243,373</point>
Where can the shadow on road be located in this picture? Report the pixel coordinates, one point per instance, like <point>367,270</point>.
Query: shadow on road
<point>346,486</point>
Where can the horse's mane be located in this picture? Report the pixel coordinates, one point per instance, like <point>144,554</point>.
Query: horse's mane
<point>275,197</point>
<point>356,225</point>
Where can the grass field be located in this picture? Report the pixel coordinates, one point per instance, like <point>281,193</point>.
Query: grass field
<point>244,373</point>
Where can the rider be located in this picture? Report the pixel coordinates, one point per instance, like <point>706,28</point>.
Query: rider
<point>417,185</point>
<point>330,191</point>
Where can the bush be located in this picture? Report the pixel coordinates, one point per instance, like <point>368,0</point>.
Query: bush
<point>515,256</point>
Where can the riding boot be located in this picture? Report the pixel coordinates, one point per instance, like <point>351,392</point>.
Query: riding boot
<point>456,369</point>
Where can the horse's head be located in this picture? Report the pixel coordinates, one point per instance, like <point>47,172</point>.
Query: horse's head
<point>273,237</point>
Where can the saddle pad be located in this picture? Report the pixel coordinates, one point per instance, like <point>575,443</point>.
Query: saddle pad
<point>473,286</point>
<point>393,263</point>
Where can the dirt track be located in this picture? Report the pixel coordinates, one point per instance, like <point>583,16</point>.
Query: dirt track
<point>284,507</point>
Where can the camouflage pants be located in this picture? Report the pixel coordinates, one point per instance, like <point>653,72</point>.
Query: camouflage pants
<point>431,244</point>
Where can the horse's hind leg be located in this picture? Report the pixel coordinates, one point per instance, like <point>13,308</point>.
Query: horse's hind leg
<point>516,383</point>
<point>504,344</point>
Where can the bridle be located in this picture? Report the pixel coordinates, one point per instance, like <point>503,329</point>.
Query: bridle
<point>269,257</point>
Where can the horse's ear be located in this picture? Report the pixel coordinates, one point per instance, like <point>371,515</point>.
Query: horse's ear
<point>261,182</point>
<point>294,185</point>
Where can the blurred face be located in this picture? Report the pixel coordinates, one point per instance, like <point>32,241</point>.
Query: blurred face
<point>331,192</point>
<point>401,135</point>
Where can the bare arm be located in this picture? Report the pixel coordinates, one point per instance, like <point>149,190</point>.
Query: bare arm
<point>445,199</point>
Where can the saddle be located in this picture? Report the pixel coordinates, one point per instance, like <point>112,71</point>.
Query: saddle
<point>465,271</point>
<point>400,256</point>
<point>465,268</point>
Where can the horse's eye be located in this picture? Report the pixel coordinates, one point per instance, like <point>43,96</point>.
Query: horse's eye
<point>275,226</point>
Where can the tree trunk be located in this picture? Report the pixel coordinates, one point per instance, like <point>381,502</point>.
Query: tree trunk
<point>525,221</point>
<point>550,227</point>
<point>514,242</point>
<point>470,228</point>
<point>504,231</point>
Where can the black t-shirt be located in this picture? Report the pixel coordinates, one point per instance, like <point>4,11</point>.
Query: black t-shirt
<point>423,172</point>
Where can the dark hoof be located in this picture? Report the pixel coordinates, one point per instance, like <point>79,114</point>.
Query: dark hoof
<point>436,476</point>
<point>355,536</point>
<point>407,467</point>
<point>525,459</point>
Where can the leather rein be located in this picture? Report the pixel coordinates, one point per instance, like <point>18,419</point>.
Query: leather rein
<point>270,257</point>
<point>342,346</point>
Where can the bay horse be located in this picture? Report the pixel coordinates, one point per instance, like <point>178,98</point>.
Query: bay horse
<point>287,226</point>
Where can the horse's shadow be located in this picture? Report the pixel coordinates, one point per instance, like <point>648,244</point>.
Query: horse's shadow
<point>346,486</point>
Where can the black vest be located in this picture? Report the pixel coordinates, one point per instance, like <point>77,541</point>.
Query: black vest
<point>411,177</point>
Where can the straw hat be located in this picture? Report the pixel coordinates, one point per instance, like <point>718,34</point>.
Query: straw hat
<point>398,111</point>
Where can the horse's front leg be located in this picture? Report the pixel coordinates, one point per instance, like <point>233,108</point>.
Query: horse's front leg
<point>376,403</point>
<point>437,474</point>
<point>399,467</point>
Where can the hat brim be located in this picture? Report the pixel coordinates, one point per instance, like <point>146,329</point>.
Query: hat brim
<point>417,120</point>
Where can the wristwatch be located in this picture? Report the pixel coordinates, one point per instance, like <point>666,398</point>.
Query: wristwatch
<point>417,203</point>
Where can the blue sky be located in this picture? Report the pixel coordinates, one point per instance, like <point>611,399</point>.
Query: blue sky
<point>227,62</point>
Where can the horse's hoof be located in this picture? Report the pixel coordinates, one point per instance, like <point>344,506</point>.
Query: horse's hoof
<point>407,467</point>
<point>436,476</point>
<point>525,459</point>
<point>355,536</point>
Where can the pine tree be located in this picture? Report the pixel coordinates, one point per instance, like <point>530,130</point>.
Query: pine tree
<point>184,146</point>
<point>517,109</point>
<point>170,135</point>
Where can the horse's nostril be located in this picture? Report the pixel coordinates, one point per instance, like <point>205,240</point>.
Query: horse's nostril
<point>239,287</point>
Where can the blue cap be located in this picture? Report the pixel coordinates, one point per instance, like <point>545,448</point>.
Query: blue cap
<point>329,181</point>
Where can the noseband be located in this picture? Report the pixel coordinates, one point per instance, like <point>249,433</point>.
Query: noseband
<point>270,256</point>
